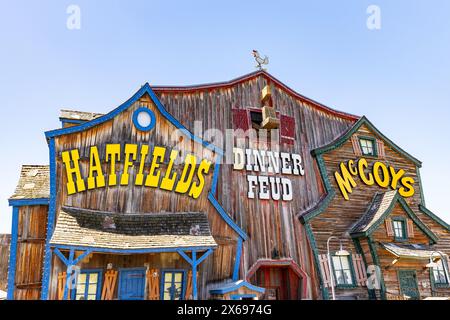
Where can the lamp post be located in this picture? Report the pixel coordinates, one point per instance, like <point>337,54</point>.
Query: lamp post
<point>433,264</point>
<point>341,252</point>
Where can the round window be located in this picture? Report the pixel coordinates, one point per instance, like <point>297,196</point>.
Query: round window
<point>144,119</point>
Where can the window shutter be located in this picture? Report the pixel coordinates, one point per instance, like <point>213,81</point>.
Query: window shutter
<point>188,295</point>
<point>356,146</point>
<point>410,228</point>
<point>389,230</point>
<point>153,284</point>
<point>240,119</point>
<point>62,277</point>
<point>380,149</point>
<point>360,270</point>
<point>325,270</point>
<point>109,285</point>
<point>287,129</point>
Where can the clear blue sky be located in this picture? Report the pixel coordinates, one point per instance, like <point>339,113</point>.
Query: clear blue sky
<point>399,76</point>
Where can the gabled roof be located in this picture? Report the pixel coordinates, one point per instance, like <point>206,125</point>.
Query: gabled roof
<point>250,76</point>
<point>95,229</point>
<point>379,209</point>
<point>146,90</point>
<point>347,135</point>
<point>34,183</point>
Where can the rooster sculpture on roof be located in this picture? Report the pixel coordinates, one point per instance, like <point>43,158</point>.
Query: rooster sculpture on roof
<point>260,61</point>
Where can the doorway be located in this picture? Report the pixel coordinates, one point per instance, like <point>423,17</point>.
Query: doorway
<point>132,284</point>
<point>408,284</point>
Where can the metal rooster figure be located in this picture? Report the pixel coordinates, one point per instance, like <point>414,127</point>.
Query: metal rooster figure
<point>260,61</point>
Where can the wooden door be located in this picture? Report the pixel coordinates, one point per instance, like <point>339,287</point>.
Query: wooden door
<point>132,284</point>
<point>408,283</point>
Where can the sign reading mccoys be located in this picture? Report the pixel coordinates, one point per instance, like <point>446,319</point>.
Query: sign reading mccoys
<point>268,164</point>
<point>191,180</point>
<point>379,173</point>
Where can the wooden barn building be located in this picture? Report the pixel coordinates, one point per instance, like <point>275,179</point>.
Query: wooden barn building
<point>154,200</point>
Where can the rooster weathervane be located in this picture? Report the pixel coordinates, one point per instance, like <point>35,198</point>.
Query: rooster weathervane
<point>260,61</point>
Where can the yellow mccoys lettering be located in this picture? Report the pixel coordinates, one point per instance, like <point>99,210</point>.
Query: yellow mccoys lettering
<point>381,174</point>
<point>113,155</point>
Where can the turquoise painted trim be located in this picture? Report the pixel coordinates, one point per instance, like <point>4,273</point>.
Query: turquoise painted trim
<point>28,202</point>
<point>313,244</point>
<point>376,260</point>
<point>183,282</point>
<point>194,262</point>
<point>13,254</point>
<point>235,286</point>
<point>50,222</point>
<point>345,137</point>
<point>237,262</point>
<point>422,195</point>
<point>404,229</point>
<point>150,114</point>
<point>374,145</point>
<point>330,193</point>
<point>434,217</point>
<point>352,285</point>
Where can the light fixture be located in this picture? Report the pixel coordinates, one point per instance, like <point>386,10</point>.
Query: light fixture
<point>342,252</point>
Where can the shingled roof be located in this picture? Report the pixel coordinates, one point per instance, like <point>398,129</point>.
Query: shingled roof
<point>380,204</point>
<point>89,228</point>
<point>34,183</point>
<point>411,251</point>
<point>78,115</point>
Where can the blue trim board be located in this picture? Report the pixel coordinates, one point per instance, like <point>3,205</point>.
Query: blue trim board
<point>240,296</point>
<point>237,262</point>
<point>13,254</point>
<point>128,251</point>
<point>150,114</point>
<point>226,217</point>
<point>28,202</point>
<point>233,286</point>
<point>50,222</point>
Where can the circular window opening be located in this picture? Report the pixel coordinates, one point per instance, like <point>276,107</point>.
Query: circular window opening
<point>144,119</point>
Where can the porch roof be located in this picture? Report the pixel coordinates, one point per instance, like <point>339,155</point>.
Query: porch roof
<point>105,230</point>
<point>410,251</point>
<point>380,204</point>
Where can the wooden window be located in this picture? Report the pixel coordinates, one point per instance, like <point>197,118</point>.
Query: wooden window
<point>173,283</point>
<point>368,146</point>
<point>88,285</point>
<point>399,227</point>
<point>439,274</point>
<point>360,269</point>
<point>342,271</point>
<point>240,119</point>
<point>287,129</point>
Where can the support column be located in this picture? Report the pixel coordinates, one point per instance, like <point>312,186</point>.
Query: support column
<point>13,254</point>
<point>194,262</point>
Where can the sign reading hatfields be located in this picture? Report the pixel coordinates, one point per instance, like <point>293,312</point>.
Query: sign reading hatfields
<point>191,180</point>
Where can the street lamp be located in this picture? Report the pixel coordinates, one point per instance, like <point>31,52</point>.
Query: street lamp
<point>433,264</point>
<point>340,253</point>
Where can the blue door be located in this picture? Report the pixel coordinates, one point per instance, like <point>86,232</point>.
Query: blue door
<point>132,284</point>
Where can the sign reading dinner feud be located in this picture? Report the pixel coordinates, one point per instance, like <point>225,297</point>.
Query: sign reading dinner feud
<point>268,172</point>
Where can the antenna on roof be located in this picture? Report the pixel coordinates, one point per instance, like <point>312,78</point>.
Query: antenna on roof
<point>260,61</point>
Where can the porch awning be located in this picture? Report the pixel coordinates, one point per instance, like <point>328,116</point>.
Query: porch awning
<point>410,251</point>
<point>105,230</point>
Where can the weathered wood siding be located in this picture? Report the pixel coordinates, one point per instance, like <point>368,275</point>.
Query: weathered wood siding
<point>342,214</point>
<point>5,240</point>
<point>269,224</point>
<point>30,252</point>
